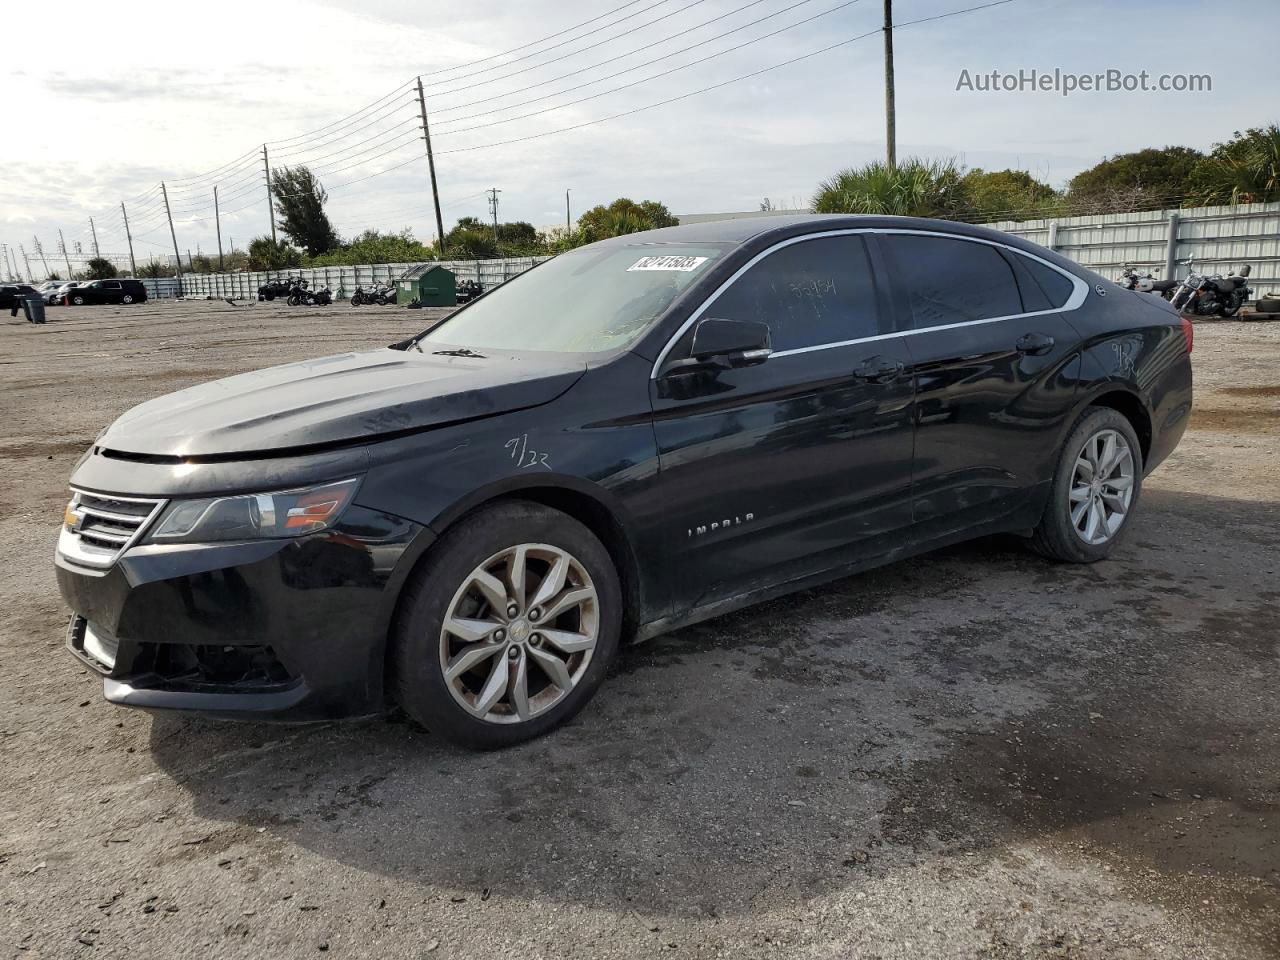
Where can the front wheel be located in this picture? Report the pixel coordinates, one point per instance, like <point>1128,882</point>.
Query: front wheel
<point>127,298</point>
<point>294,301</point>
<point>78,301</point>
<point>1095,489</point>
<point>357,300</point>
<point>508,628</point>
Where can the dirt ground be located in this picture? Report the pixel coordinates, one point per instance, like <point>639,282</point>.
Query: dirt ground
<point>973,754</point>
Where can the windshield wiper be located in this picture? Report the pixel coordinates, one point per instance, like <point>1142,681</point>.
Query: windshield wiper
<point>459,352</point>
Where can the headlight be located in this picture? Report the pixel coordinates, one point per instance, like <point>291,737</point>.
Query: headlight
<point>287,513</point>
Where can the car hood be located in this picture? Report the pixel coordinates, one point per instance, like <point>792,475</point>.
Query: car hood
<point>338,400</point>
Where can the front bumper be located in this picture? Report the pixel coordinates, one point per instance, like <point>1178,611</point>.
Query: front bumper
<point>276,629</point>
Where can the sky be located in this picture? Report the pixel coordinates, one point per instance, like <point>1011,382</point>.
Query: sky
<point>118,98</point>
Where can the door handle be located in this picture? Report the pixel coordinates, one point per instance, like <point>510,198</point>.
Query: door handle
<point>1034,344</point>
<point>878,370</point>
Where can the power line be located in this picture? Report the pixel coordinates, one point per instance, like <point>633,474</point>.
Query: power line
<point>533,43</point>
<point>547,63</point>
<point>332,137</point>
<point>601,63</point>
<point>663,73</point>
<point>343,121</point>
<point>714,86</point>
<point>557,46</point>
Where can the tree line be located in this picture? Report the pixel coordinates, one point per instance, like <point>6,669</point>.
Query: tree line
<point>1243,169</point>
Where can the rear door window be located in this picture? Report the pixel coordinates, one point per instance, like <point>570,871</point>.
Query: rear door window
<point>811,293</point>
<point>950,280</point>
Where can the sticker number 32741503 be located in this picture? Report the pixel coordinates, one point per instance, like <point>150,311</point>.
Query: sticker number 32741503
<point>681,264</point>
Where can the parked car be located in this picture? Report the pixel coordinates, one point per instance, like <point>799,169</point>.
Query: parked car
<point>48,288</point>
<point>279,287</point>
<point>59,292</point>
<point>631,437</point>
<point>9,291</point>
<point>124,290</point>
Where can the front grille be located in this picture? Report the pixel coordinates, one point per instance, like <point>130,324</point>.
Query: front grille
<point>98,528</point>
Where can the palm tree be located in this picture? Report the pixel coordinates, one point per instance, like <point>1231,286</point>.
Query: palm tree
<point>1245,169</point>
<point>913,188</point>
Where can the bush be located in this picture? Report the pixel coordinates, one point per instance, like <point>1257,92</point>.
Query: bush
<point>914,188</point>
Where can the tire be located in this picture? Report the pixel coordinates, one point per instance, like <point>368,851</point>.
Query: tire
<point>1057,536</point>
<point>127,298</point>
<point>1267,305</point>
<point>356,301</point>
<point>268,295</point>
<point>294,301</point>
<point>78,301</point>
<point>1225,311</point>
<point>444,584</point>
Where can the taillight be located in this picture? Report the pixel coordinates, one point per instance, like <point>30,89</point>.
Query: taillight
<point>1189,332</point>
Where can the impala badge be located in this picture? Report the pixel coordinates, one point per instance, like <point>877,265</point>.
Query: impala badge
<point>704,529</point>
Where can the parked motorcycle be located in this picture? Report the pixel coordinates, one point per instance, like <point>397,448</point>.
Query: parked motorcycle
<point>301,296</point>
<point>1146,283</point>
<point>1200,295</point>
<point>380,295</point>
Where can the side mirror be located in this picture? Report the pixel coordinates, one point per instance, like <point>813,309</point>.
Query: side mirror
<point>726,344</point>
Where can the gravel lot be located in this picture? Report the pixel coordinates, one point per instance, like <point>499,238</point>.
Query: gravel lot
<point>973,754</point>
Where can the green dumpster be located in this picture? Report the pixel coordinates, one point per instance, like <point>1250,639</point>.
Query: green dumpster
<point>431,286</point>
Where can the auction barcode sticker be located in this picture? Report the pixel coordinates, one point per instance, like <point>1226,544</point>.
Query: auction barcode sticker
<point>683,264</point>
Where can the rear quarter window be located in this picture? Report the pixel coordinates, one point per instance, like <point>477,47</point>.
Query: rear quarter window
<point>1044,281</point>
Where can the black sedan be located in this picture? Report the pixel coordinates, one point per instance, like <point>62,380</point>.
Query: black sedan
<point>632,437</point>
<point>10,292</point>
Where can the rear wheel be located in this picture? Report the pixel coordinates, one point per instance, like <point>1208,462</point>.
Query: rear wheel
<point>78,301</point>
<point>1095,489</point>
<point>127,298</point>
<point>509,628</point>
<point>1230,310</point>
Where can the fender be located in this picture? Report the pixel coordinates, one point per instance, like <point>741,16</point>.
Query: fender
<point>507,486</point>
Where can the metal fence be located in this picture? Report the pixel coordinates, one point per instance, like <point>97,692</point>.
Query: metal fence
<point>1214,239</point>
<point>342,281</point>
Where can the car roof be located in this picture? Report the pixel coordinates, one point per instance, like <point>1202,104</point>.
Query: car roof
<point>744,229</point>
<point>757,233</point>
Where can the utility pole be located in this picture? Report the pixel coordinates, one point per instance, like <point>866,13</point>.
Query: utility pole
<point>45,260</point>
<point>133,266</point>
<point>568,222</point>
<point>8,275</point>
<point>63,244</point>
<point>271,207</point>
<point>493,208</point>
<point>16,274</point>
<point>172,234</point>
<point>94,231</point>
<point>31,277</point>
<point>217,221</point>
<point>890,121</point>
<point>431,166</point>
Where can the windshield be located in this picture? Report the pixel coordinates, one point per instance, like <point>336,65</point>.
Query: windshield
<point>590,300</point>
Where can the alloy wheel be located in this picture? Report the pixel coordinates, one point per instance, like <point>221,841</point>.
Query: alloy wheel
<point>1101,487</point>
<point>519,633</point>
